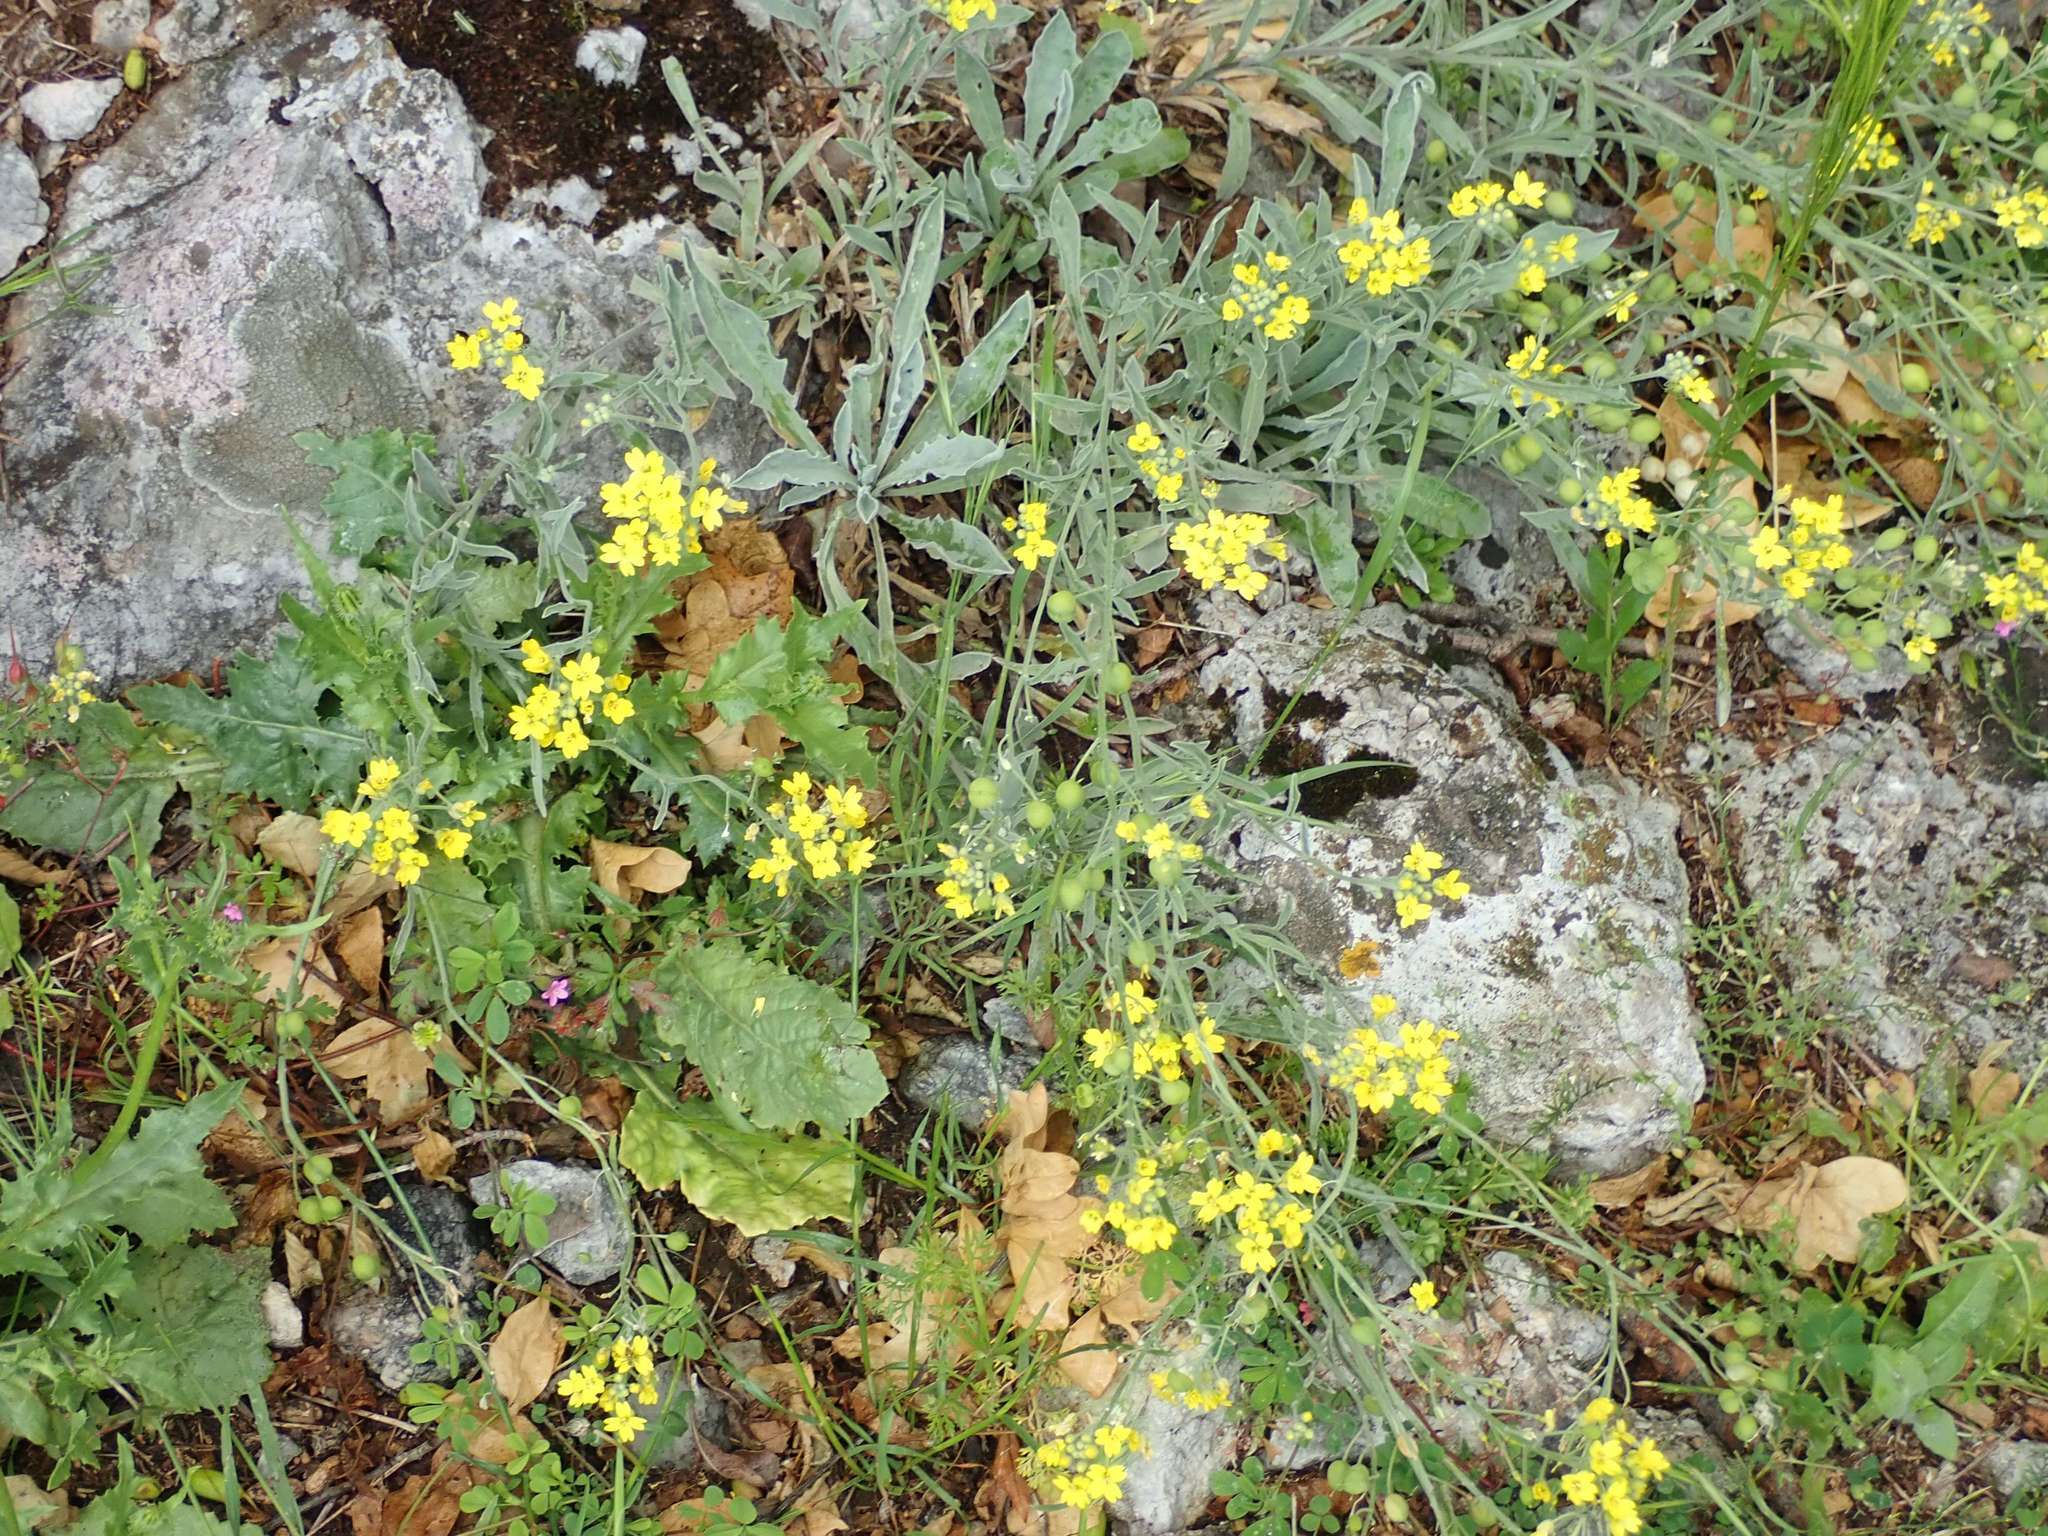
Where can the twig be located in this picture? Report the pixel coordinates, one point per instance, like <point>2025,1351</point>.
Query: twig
<point>1512,637</point>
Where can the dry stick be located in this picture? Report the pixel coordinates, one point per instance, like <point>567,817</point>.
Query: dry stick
<point>1514,636</point>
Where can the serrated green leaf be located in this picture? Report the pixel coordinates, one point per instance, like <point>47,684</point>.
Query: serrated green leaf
<point>188,1332</point>
<point>263,729</point>
<point>752,1180</point>
<point>87,798</point>
<point>769,666</point>
<point>785,1051</point>
<point>150,1185</point>
<point>366,503</point>
<point>962,546</point>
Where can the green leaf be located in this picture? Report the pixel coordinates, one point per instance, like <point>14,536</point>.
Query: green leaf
<point>960,545</point>
<point>88,797</point>
<point>10,929</point>
<point>151,1185</point>
<point>366,503</point>
<point>974,383</point>
<point>1327,532</point>
<point>1937,1431</point>
<point>739,337</point>
<point>189,1332</point>
<point>785,1051</point>
<point>264,729</point>
<point>780,671</point>
<point>942,458</point>
<point>752,1180</point>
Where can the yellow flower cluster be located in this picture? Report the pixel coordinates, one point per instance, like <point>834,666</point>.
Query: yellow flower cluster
<point>1489,201</point>
<point>1197,1397</point>
<point>395,849</point>
<point>655,522</point>
<point>1876,146</point>
<point>1129,1043</point>
<point>1083,1470</point>
<point>1422,876</point>
<point>1266,302</point>
<point>556,717</point>
<point>1953,33</point>
<point>1379,1073</point>
<point>1381,256</point>
<point>1688,378</point>
<point>1618,1471</point>
<point>1616,504</point>
<point>1157,838</point>
<point>1032,543</point>
<point>971,886</point>
<point>1531,360</point>
<point>1815,544</point>
<point>1535,275</point>
<point>1932,222</point>
<point>1218,549</point>
<point>611,1382</point>
<point>67,690</point>
<point>1265,1221</point>
<point>960,14</point>
<point>502,344</point>
<point>822,834</point>
<point>1140,1216</point>
<point>2022,591</point>
<point>2025,213</point>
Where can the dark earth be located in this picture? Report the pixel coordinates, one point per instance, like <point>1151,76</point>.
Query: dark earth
<point>514,61</point>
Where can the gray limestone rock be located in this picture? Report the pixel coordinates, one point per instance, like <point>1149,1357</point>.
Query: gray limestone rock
<point>1823,666</point>
<point>957,1074</point>
<point>612,55</point>
<point>196,30</point>
<point>1562,970</point>
<point>1911,895</point>
<point>281,1317</point>
<point>118,25</point>
<point>2015,1467</point>
<point>1166,1492</point>
<point>439,1268</point>
<point>293,231</point>
<point>23,213</point>
<point>68,109</point>
<point>590,1230</point>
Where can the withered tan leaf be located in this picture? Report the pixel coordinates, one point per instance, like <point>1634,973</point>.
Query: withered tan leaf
<point>359,940</point>
<point>1827,1206</point>
<point>434,1155</point>
<point>25,872</point>
<point>274,961</point>
<point>525,1353</point>
<point>393,1070</point>
<point>629,872</point>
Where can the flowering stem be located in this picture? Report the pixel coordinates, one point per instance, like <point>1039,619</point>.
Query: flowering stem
<point>618,1490</point>
<point>145,1064</point>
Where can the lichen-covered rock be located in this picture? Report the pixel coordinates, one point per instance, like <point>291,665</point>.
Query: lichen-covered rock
<point>63,110</point>
<point>590,1229</point>
<point>957,1075</point>
<point>380,1327</point>
<point>1561,971</point>
<point>293,230</point>
<point>1908,892</point>
<point>23,213</point>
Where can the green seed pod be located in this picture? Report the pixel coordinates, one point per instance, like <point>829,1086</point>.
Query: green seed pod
<point>1645,430</point>
<point>1608,418</point>
<point>1062,607</point>
<point>983,793</point>
<point>331,1207</point>
<point>1722,124</point>
<point>1396,1508</point>
<point>1980,122</point>
<point>1964,96</point>
<point>1974,421</point>
<point>1094,879</point>
<point>1684,195</point>
<point>1037,815</point>
<point>1167,869</point>
<point>1559,204</point>
<point>2005,128</point>
<point>366,1267</point>
<point>1069,795</point>
<point>1436,152</point>
<point>2041,157</point>
<point>1746,1427</point>
<point>1071,893</point>
<point>1749,1326</point>
<point>1746,215</point>
<point>208,1483</point>
<point>1914,378</point>
<point>1116,679</point>
<point>1535,314</point>
<point>135,69</point>
<point>1891,539</point>
<point>1663,288</point>
<point>309,1210</point>
<point>1925,549</point>
<point>1141,953</point>
<point>1667,160</point>
<point>1570,489</point>
<point>291,1026</point>
<point>1173,1094</point>
<point>1730,1402</point>
<point>1484,1514</point>
<point>319,1169</point>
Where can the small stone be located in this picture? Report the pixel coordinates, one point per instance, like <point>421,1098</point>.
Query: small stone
<point>612,55</point>
<point>118,25</point>
<point>68,109</point>
<point>1166,1492</point>
<point>23,213</point>
<point>2016,1467</point>
<point>572,197</point>
<point>204,29</point>
<point>682,1418</point>
<point>771,1256</point>
<point>957,1074</point>
<point>590,1234</point>
<point>281,1317</point>
<point>1007,1018</point>
<point>380,1328</point>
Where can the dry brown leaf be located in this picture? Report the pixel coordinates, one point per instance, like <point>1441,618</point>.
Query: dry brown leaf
<point>1086,1356</point>
<point>274,960</point>
<point>1628,1188</point>
<point>1807,326</point>
<point>1041,1226</point>
<point>294,842</point>
<point>425,1504</point>
<point>242,1140</point>
<point>748,578</point>
<point>359,940</point>
<point>1692,234</point>
<point>727,747</point>
<point>392,1069</point>
<point>525,1353</point>
<point>434,1154</point>
<point>828,1263</point>
<point>302,1269</point>
<point>1827,1206</point>
<point>1126,1306</point>
<point>845,671</point>
<point>1992,1089</point>
<point>35,1509</point>
<point>22,872</point>
<point>630,872</point>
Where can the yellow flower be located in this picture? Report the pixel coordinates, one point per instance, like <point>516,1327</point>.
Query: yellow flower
<point>465,351</point>
<point>409,864</point>
<point>1032,543</point>
<point>378,777</point>
<point>623,1424</point>
<point>1527,192</point>
<point>452,841</point>
<point>523,379</point>
<point>503,315</point>
<point>618,708</point>
<point>1598,1411</point>
<point>348,828</point>
<point>1580,1487</point>
<point>1423,1294</point>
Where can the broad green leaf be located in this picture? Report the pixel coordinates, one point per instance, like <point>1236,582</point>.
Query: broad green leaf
<point>264,730</point>
<point>10,929</point>
<point>752,1180</point>
<point>770,665</point>
<point>785,1051</point>
<point>962,546</point>
<point>907,323</point>
<point>789,466</point>
<point>830,740</point>
<point>150,1185</point>
<point>943,458</point>
<point>978,96</point>
<point>1124,128</point>
<point>1327,532</point>
<point>740,338</point>
<point>88,798</point>
<point>974,383</point>
<point>188,1332</point>
<point>1937,1431</point>
<point>1048,78</point>
<point>366,503</point>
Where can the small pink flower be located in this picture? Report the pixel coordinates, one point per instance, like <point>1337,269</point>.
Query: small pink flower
<point>556,992</point>
<point>232,911</point>
<point>2005,627</point>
